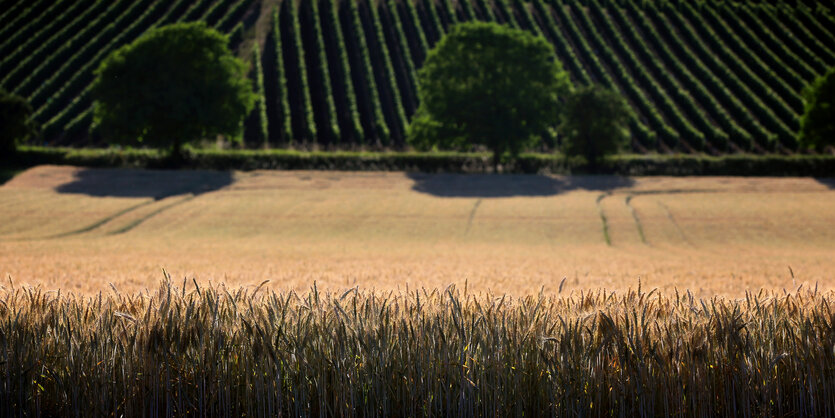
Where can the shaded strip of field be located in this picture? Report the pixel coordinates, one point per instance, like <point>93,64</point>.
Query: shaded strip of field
<point>136,222</point>
<point>98,223</point>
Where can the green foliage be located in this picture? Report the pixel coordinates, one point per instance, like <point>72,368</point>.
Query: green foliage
<point>173,85</point>
<point>490,84</point>
<point>817,126</point>
<point>594,123</point>
<point>16,124</point>
<point>352,119</point>
<point>255,131</point>
<point>331,133</point>
<point>281,125</point>
<point>716,76</point>
<point>308,129</point>
<point>817,165</point>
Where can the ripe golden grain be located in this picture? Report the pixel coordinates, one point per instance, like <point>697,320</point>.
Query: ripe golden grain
<point>218,351</point>
<point>515,234</point>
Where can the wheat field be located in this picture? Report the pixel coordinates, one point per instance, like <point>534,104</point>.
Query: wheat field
<point>82,229</point>
<point>219,351</point>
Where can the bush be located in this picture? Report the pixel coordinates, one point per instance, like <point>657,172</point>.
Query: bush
<point>16,124</point>
<point>817,126</point>
<point>197,89</point>
<point>595,123</point>
<point>487,84</point>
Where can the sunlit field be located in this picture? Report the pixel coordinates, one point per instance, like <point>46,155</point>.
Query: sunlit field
<point>83,229</point>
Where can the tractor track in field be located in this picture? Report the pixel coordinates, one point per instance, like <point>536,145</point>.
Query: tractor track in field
<point>472,215</point>
<point>675,224</point>
<point>603,218</point>
<point>133,224</point>
<point>636,218</point>
<point>114,217</point>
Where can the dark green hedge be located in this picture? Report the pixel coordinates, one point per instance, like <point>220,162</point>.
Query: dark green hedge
<point>432,162</point>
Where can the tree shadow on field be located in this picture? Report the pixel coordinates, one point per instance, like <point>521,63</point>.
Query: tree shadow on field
<point>157,184</point>
<point>511,185</point>
<point>828,182</point>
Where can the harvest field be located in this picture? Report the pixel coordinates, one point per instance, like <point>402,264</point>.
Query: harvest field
<point>80,229</point>
<point>146,292</point>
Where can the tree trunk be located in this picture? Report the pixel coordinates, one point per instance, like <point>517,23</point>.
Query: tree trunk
<point>176,158</point>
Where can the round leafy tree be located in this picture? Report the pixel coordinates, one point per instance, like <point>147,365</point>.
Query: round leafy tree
<point>173,85</point>
<point>594,123</point>
<point>817,126</point>
<point>16,124</point>
<point>487,84</point>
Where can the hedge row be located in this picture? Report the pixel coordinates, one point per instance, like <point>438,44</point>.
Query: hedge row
<point>822,166</point>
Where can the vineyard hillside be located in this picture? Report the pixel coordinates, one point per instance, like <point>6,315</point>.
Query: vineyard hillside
<point>711,76</point>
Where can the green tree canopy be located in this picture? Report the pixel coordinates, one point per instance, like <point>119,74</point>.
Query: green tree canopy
<point>487,84</point>
<point>817,126</point>
<point>595,123</point>
<point>16,124</point>
<point>173,85</point>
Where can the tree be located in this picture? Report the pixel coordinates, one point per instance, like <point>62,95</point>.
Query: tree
<point>487,84</point>
<point>594,123</point>
<point>173,85</point>
<point>817,125</point>
<point>16,124</point>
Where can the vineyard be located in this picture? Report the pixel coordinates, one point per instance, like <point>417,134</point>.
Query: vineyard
<point>716,77</point>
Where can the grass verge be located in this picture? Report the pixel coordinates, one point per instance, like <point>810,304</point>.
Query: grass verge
<point>217,351</point>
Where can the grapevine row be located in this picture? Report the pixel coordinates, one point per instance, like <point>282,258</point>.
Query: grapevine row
<point>714,75</point>
<point>275,88</point>
<point>43,36</point>
<point>257,133</point>
<point>689,133</point>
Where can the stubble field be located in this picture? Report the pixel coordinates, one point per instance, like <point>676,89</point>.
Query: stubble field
<point>81,229</point>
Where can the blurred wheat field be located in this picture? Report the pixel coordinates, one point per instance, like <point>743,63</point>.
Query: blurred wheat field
<point>189,350</point>
<point>80,229</point>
